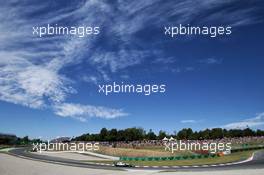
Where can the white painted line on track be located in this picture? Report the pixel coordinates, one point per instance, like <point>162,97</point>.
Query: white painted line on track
<point>155,166</point>
<point>164,167</point>
<point>175,166</point>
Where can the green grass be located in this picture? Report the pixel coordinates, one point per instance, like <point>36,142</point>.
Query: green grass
<point>155,151</point>
<point>4,148</point>
<point>252,144</point>
<point>229,158</point>
<point>234,157</point>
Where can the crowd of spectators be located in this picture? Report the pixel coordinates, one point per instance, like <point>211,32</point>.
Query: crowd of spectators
<point>255,140</point>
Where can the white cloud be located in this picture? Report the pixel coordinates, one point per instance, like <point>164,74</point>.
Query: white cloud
<point>189,121</point>
<point>90,79</point>
<point>31,68</point>
<point>24,83</point>
<point>176,70</point>
<point>25,77</point>
<point>251,122</point>
<point>83,112</point>
<point>124,76</point>
<point>117,60</point>
<point>189,69</point>
<point>211,61</point>
<point>168,60</point>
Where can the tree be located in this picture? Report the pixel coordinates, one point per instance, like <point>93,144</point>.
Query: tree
<point>132,134</point>
<point>205,134</point>
<point>112,136</point>
<point>216,133</point>
<point>103,134</point>
<point>151,135</point>
<point>25,140</point>
<point>235,133</point>
<point>248,132</point>
<point>259,133</point>
<point>186,133</point>
<point>161,135</point>
<point>121,135</point>
<point>195,136</point>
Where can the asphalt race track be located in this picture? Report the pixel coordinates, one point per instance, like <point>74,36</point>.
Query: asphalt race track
<point>23,153</point>
<point>256,163</point>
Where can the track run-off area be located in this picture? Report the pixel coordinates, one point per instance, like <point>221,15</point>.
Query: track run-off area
<point>256,161</point>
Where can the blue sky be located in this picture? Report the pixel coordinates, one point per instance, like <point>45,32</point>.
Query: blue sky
<point>48,86</point>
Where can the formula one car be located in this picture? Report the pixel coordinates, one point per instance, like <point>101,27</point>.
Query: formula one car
<point>122,164</point>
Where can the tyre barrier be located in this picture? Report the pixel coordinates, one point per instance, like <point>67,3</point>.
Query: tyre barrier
<point>247,149</point>
<point>189,157</point>
<point>168,158</point>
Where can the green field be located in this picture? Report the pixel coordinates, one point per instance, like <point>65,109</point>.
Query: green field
<point>234,157</point>
<point>229,158</point>
<point>156,151</point>
<point>159,151</point>
<point>4,148</point>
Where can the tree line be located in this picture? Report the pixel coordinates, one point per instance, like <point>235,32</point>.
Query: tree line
<point>132,134</point>
<point>7,139</point>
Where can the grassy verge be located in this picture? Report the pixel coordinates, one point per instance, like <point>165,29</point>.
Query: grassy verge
<point>4,148</point>
<point>146,152</point>
<point>229,158</point>
<point>234,157</point>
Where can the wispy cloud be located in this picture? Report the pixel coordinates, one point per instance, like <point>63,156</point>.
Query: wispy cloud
<point>176,70</point>
<point>189,69</point>
<point>211,61</point>
<point>83,112</point>
<point>25,83</point>
<point>188,121</point>
<point>251,122</point>
<point>117,60</point>
<point>90,79</point>
<point>31,69</point>
<point>162,60</point>
<point>124,76</point>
